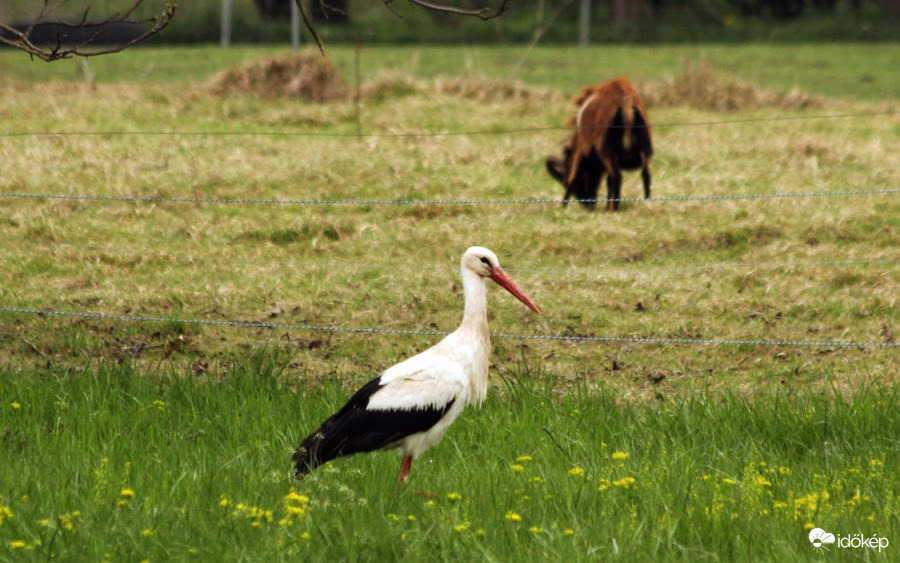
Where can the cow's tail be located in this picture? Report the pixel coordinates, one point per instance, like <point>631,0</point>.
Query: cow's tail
<point>578,101</point>
<point>627,121</point>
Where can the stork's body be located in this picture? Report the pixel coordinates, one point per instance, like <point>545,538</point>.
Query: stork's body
<point>412,404</point>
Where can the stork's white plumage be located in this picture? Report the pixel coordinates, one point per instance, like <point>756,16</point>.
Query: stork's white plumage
<point>412,404</point>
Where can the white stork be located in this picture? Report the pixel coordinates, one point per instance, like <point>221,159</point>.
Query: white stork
<point>412,404</point>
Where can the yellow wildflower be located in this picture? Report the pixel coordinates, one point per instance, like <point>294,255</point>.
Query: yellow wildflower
<point>15,406</point>
<point>285,522</point>
<point>873,462</point>
<point>306,536</point>
<point>537,479</point>
<point>809,526</point>
<point>762,481</point>
<point>147,532</point>
<point>411,518</point>
<point>782,470</point>
<point>871,517</point>
<point>298,511</point>
<point>620,456</point>
<point>513,516</point>
<point>430,504</point>
<point>223,501</point>
<point>127,493</point>
<point>296,497</point>
<point>121,503</point>
<point>604,484</point>
<point>255,524</point>
<point>707,477</point>
<point>45,522</point>
<point>729,481</point>
<point>17,544</point>
<point>577,471</point>
<point>569,532</point>
<point>454,496</point>
<point>779,505</point>
<point>479,532</point>
<point>161,405</point>
<point>68,520</point>
<point>5,513</point>
<point>517,468</point>
<point>624,482</point>
<point>523,458</point>
<point>392,517</point>
<point>535,529</point>
<point>461,527</point>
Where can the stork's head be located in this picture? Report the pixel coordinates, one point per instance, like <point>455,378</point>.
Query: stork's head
<point>484,263</point>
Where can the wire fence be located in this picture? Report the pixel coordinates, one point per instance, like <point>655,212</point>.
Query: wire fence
<point>417,332</point>
<point>413,134</point>
<point>312,264</point>
<point>461,202</point>
<point>401,202</point>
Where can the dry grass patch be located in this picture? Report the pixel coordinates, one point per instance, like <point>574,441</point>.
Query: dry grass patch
<point>699,85</point>
<point>304,76</point>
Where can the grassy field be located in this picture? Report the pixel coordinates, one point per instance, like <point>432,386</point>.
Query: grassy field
<point>689,416</point>
<point>121,464</point>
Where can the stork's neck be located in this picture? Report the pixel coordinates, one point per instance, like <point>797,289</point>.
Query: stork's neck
<point>475,294</point>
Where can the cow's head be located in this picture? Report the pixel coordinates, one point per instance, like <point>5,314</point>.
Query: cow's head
<point>558,168</point>
<point>585,183</point>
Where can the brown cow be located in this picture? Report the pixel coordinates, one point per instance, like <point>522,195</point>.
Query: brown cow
<point>612,133</point>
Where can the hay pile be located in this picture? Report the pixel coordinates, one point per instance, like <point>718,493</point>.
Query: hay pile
<point>697,85</point>
<point>305,76</point>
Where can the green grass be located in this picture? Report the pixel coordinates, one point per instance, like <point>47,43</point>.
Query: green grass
<point>227,425</point>
<point>845,70</point>
<point>715,477</point>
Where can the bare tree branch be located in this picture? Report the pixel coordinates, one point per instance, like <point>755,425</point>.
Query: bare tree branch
<point>485,13</point>
<point>308,23</point>
<point>22,40</point>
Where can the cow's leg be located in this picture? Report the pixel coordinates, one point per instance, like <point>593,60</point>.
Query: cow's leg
<point>613,190</point>
<point>613,183</point>
<point>645,175</point>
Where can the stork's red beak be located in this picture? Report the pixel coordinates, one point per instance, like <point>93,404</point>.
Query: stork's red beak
<point>506,282</point>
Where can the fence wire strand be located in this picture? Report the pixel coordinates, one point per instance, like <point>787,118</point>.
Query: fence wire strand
<point>414,134</point>
<point>390,202</point>
<point>358,330</point>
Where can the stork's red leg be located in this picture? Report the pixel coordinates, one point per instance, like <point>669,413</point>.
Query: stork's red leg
<point>404,469</point>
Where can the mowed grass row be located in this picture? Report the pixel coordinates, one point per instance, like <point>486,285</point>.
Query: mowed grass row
<point>302,264</point>
<point>121,463</point>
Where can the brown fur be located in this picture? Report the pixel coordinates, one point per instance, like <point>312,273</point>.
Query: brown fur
<point>612,133</point>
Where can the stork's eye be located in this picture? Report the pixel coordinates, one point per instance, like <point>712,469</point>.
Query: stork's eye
<point>486,262</point>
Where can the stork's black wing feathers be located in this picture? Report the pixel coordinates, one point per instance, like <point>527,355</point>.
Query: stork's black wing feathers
<point>354,429</point>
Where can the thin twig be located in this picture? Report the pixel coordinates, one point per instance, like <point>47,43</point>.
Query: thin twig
<point>357,96</point>
<point>552,437</point>
<point>35,348</point>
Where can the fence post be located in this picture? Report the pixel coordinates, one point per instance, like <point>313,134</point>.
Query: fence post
<point>295,27</point>
<point>225,37</point>
<point>584,23</point>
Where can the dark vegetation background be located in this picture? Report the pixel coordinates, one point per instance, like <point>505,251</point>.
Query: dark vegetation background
<point>633,21</point>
